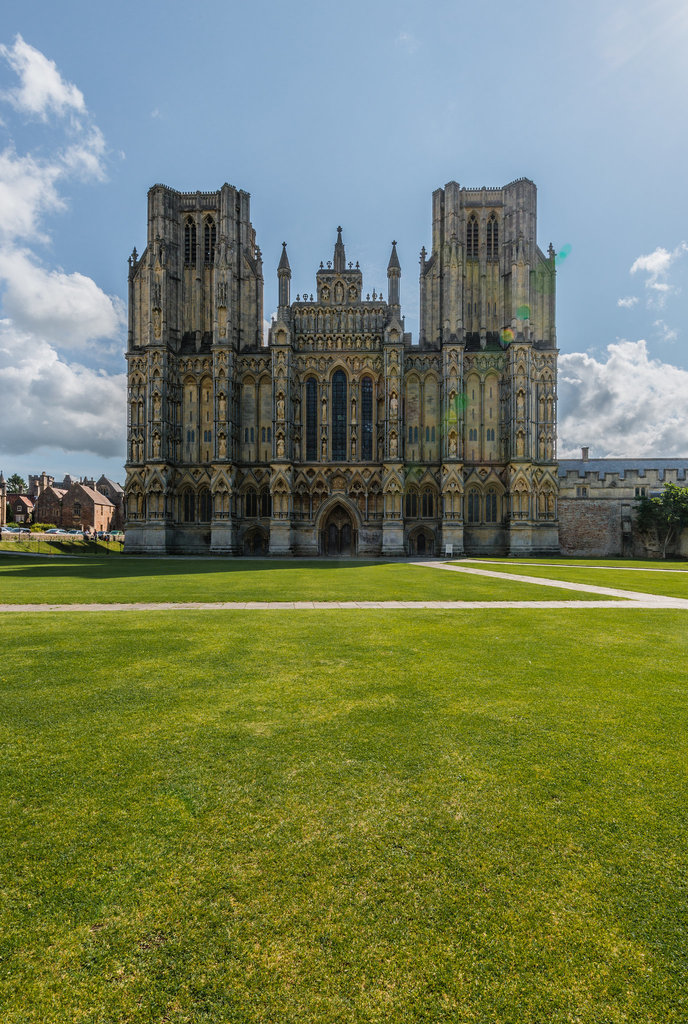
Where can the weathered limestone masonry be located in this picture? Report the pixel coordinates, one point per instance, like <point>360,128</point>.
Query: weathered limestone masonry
<point>597,502</point>
<point>341,436</point>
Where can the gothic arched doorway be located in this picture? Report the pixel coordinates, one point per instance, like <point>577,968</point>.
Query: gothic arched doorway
<point>338,535</point>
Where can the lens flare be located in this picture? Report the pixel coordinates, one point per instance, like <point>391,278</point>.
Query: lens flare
<point>563,253</point>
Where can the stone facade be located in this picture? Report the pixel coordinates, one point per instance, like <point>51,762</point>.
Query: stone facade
<point>341,436</point>
<point>79,507</point>
<point>597,501</point>
<point>84,508</point>
<point>48,505</point>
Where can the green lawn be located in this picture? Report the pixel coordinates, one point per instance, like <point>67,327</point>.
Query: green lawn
<point>672,582</point>
<point>68,546</point>
<point>27,580</point>
<point>344,816</point>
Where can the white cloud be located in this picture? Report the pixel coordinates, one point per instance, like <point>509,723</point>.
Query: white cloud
<point>27,191</point>
<point>629,405</point>
<point>85,158</point>
<point>666,332</point>
<point>657,265</point>
<point>41,89</point>
<point>69,310</point>
<point>47,400</point>
<point>628,302</point>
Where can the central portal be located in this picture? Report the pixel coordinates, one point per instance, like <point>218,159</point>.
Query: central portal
<point>338,535</point>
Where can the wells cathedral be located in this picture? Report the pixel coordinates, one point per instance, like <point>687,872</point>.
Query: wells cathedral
<point>342,435</point>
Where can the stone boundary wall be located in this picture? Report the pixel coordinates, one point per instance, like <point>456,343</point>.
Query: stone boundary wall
<point>590,527</point>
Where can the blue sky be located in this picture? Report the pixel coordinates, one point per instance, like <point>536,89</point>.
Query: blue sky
<point>352,115</point>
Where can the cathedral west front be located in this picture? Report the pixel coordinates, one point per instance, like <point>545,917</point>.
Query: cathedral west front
<point>343,435</point>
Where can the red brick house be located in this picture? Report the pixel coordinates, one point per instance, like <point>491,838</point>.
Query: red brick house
<point>112,490</point>
<point>21,507</point>
<point>84,508</point>
<point>48,506</point>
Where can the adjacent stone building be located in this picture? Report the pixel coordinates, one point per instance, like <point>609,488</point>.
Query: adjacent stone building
<point>84,508</point>
<point>597,501</point>
<point>48,505</point>
<point>341,435</point>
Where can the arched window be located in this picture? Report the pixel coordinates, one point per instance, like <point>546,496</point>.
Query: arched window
<point>412,504</point>
<point>189,242</point>
<point>367,418</point>
<point>188,507</point>
<point>250,503</point>
<point>432,434</point>
<point>311,420</point>
<point>491,506</point>
<point>204,506</point>
<point>265,502</point>
<point>492,238</point>
<point>473,506</point>
<point>472,238</point>
<point>209,236</point>
<point>428,504</point>
<point>339,416</point>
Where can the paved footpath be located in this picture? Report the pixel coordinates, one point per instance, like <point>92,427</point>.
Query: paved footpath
<point>589,588</point>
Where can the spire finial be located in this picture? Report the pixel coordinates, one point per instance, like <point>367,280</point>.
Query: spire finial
<point>339,254</point>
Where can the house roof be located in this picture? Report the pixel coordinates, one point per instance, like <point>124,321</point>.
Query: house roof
<point>57,492</point>
<point>623,466</point>
<point>117,488</point>
<point>20,499</point>
<point>95,496</point>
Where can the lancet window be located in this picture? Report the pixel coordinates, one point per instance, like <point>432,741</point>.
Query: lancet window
<point>367,418</point>
<point>189,242</point>
<point>472,238</point>
<point>492,238</point>
<point>209,238</point>
<point>311,420</point>
<point>339,416</point>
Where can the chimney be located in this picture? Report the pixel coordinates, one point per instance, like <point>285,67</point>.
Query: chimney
<point>584,454</point>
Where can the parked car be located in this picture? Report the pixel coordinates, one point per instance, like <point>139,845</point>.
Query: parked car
<point>57,530</point>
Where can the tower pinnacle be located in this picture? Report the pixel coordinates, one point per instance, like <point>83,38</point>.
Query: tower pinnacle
<point>339,254</point>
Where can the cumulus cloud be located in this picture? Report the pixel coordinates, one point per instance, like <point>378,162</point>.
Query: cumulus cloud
<point>666,333</point>
<point>41,89</point>
<point>656,266</point>
<point>47,400</point>
<point>628,302</point>
<point>627,405</point>
<point>27,191</point>
<point>69,310</point>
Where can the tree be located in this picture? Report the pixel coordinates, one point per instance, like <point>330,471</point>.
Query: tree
<point>16,484</point>
<point>664,516</point>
